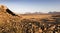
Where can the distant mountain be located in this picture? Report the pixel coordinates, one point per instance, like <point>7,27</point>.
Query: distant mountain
<point>54,13</point>
<point>43,13</point>
<point>35,13</point>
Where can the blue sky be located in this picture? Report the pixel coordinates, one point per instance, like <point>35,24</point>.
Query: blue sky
<point>23,6</point>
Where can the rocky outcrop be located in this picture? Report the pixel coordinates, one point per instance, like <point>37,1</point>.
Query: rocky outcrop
<point>6,10</point>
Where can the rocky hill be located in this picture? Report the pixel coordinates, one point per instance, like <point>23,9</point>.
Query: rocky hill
<point>7,18</point>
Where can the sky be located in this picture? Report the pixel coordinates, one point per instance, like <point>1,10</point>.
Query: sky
<point>23,6</point>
